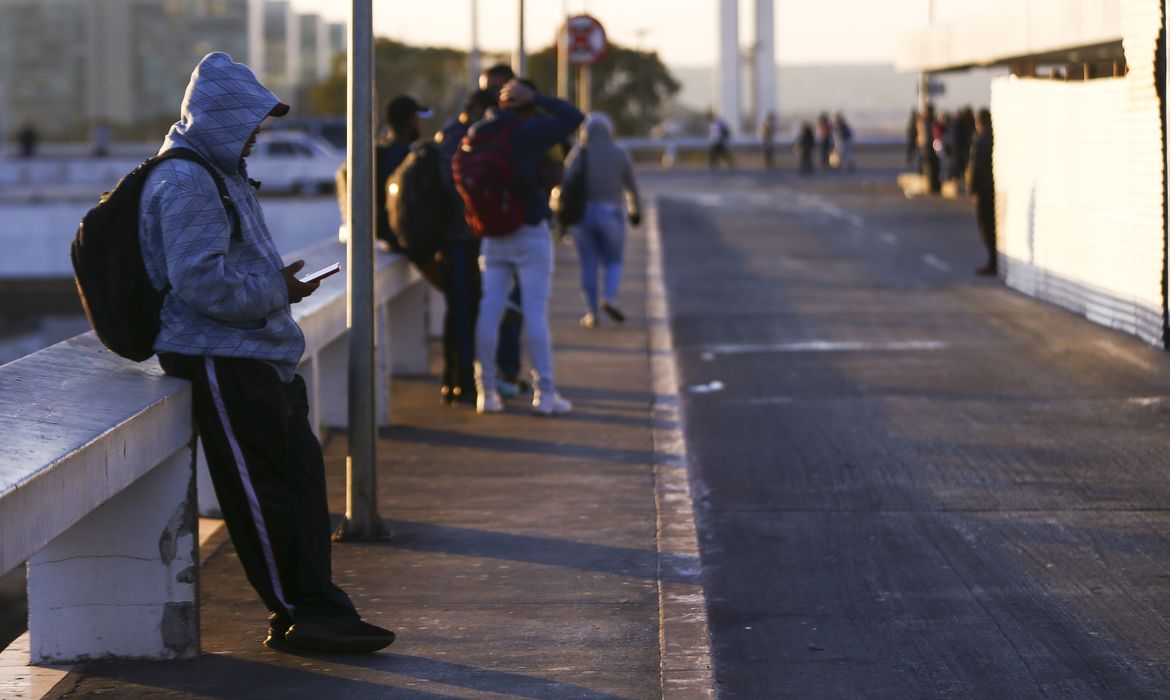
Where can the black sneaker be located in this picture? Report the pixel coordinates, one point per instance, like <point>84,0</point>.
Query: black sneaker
<point>277,627</point>
<point>341,636</point>
<point>613,312</point>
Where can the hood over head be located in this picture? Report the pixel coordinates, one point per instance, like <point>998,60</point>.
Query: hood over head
<point>223,105</point>
<point>598,129</point>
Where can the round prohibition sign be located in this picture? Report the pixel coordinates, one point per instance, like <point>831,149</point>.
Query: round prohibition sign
<point>587,42</point>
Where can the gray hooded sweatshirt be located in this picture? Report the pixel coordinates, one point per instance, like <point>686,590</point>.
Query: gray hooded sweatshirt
<point>228,297</point>
<point>608,172</point>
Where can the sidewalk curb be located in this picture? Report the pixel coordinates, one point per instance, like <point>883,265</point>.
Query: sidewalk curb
<point>683,640</point>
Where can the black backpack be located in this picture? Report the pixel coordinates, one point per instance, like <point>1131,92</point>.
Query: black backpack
<point>120,302</point>
<point>417,203</point>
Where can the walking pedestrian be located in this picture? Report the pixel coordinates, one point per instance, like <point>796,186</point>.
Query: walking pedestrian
<point>981,185</point>
<point>610,189</point>
<point>227,326</point>
<point>768,139</point>
<point>718,133</point>
<point>496,172</point>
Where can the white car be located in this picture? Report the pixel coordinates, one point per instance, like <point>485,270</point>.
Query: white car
<point>289,161</point>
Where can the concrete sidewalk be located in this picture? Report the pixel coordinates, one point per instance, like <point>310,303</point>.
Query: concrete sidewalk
<point>538,558</point>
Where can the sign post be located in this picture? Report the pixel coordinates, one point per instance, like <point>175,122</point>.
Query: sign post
<point>586,44</point>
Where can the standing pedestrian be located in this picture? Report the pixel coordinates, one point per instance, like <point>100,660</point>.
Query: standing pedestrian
<point>825,140</point>
<point>404,115</point>
<point>27,138</point>
<point>460,260</point>
<point>768,138</point>
<point>227,326</point>
<point>912,150</point>
<point>508,381</point>
<point>806,145</point>
<point>496,174</point>
<point>601,234</point>
<point>928,154</point>
<point>981,185</point>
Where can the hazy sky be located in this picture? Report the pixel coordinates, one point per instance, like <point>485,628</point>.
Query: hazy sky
<point>683,31</point>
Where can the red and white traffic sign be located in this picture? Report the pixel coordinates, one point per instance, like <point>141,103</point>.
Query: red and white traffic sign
<point>587,42</point>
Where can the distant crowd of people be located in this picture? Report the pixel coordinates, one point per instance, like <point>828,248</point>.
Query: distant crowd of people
<point>957,147</point>
<point>827,145</point>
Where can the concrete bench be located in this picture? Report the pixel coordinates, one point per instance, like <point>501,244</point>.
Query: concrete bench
<point>97,481</point>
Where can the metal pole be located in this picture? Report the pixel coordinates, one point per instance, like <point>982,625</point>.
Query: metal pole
<point>924,79</point>
<point>361,498</point>
<point>585,89</point>
<point>728,71</point>
<point>563,55</point>
<point>474,57</point>
<point>520,58</point>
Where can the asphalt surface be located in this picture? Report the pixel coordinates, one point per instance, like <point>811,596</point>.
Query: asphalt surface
<point>911,482</point>
<point>523,562</point>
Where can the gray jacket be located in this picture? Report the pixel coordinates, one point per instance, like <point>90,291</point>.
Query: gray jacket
<point>228,297</point>
<point>608,173</point>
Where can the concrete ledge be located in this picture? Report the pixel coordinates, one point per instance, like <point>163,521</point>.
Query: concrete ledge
<point>80,425</point>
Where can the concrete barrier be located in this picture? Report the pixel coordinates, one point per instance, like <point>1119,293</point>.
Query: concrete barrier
<point>97,480</point>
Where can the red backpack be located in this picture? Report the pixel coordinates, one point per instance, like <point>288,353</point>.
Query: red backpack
<point>492,193</point>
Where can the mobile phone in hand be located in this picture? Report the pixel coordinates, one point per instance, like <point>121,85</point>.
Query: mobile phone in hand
<point>322,273</point>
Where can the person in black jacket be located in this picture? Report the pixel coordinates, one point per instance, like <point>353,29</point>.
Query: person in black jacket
<point>981,185</point>
<point>460,260</point>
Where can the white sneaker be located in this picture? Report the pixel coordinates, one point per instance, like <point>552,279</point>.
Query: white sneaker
<point>589,321</point>
<point>552,404</point>
<point>486,402</point>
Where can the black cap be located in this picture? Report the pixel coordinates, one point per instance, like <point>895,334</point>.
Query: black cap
<point>404,107</point>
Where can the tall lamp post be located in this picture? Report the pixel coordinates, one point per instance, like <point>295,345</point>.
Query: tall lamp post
<point>473,55</point>
<point>520,57</point>
<point>924,79</point>
<point>361,499</point>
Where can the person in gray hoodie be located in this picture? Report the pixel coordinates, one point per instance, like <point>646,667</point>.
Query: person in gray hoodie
<point>227,326</point>
<point>610,191</point>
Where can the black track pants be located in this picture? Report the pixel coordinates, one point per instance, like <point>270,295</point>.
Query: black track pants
<point>269,476</point>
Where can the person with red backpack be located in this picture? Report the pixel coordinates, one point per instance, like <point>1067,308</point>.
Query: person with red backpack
<point>496,174</point>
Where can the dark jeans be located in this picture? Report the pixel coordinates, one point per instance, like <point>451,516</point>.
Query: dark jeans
<point>269,476</point>
<point>462,293</point>
<point>462,296</point>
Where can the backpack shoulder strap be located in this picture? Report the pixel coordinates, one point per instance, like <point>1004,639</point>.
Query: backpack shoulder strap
<point>220,186</point>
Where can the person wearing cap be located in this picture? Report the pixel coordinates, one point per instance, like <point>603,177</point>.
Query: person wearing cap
<point>227,327</point>
<point>404,117</point>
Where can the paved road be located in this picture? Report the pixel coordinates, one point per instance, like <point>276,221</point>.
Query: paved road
<point>912,483</point>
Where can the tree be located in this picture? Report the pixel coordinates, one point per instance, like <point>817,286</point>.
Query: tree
<point>437,78</point>
<point>628,85</point>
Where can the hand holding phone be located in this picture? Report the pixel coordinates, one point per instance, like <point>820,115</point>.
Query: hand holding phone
<point>322,273</point>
